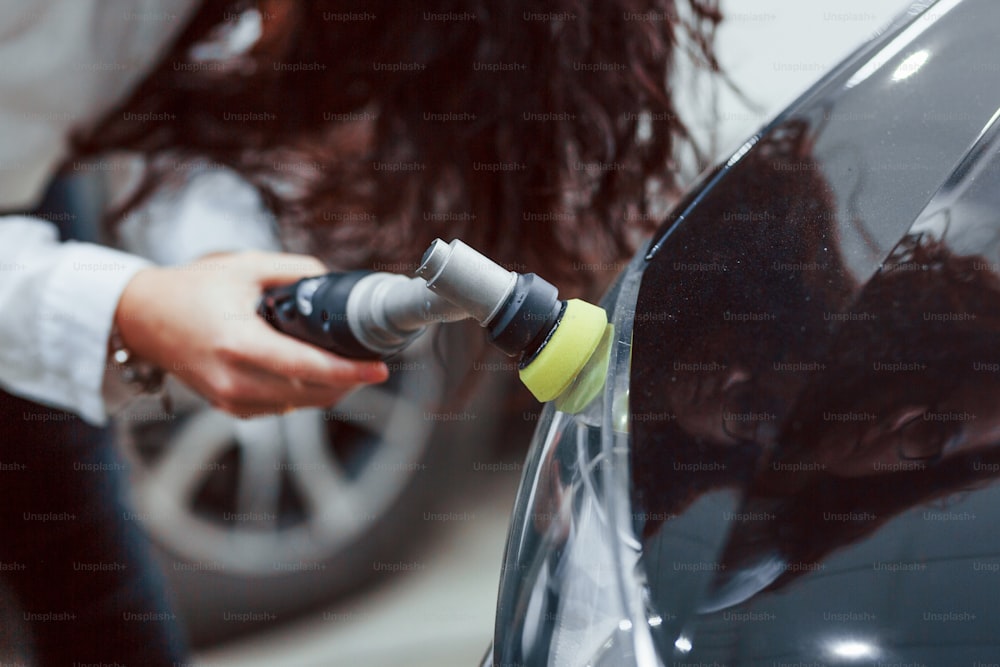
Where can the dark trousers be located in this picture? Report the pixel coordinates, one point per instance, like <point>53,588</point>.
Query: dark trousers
<point>70,549</point>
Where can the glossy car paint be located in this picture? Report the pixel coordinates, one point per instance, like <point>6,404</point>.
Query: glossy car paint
<point>820,343</point>
<point>792,462</point>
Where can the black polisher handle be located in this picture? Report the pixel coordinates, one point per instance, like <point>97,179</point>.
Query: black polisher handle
<point>314,310</point>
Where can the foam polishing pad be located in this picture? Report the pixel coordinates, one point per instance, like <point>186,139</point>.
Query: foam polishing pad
<point>566,352</point>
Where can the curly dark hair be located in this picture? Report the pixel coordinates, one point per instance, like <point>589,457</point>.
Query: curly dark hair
<point>539,133</point>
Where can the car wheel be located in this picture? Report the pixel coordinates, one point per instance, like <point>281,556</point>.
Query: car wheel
<point>257,520</point>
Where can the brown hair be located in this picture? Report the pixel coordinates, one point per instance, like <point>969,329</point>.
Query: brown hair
<point>539,134</point>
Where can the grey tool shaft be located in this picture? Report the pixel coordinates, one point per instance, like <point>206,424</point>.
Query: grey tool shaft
<point>386,311</point>
<point>467,279</point>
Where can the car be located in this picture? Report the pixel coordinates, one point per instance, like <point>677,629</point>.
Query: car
<point>793,458</point>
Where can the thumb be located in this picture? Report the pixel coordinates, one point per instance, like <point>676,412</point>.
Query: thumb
<point>270,269</point>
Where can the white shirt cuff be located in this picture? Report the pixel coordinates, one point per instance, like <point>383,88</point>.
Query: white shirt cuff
<point>75,318</point>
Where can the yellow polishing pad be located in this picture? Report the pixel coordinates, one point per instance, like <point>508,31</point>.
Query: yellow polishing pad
<point>590,380</point>
<point>567,350</point>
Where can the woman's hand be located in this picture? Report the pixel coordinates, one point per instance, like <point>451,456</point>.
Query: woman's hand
<point>199,322</point>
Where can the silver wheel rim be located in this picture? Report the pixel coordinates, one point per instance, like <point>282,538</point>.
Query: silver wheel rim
<point>339,506</point>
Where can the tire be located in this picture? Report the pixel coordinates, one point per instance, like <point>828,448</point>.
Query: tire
<point>257,521</point>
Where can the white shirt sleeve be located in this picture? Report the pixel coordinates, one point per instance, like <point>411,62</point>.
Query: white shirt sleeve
<point>57,302</point>
<point>63,65</point>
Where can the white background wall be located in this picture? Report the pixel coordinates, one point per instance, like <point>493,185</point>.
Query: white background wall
<point>773,50</point>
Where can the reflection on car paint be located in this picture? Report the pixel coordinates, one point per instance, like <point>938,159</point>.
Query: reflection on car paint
<point>826,373</point>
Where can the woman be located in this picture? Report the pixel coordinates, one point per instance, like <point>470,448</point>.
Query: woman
<point>543,138</point>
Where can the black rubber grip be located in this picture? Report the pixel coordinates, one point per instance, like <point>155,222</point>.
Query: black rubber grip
<point>325,325</point>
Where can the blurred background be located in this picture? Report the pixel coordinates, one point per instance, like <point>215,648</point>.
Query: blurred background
<point>372,534</point>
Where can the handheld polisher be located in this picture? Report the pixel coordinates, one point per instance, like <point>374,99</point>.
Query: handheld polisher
<point>373,315</point>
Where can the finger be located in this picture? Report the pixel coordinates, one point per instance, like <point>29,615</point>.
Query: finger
<point>263,387</point>
<point>259,393</point>
<point>279,354</point>
<point>251,410</point>
<point>269,269</point>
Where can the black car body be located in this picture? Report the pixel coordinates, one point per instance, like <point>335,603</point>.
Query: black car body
<point>794,457</point>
